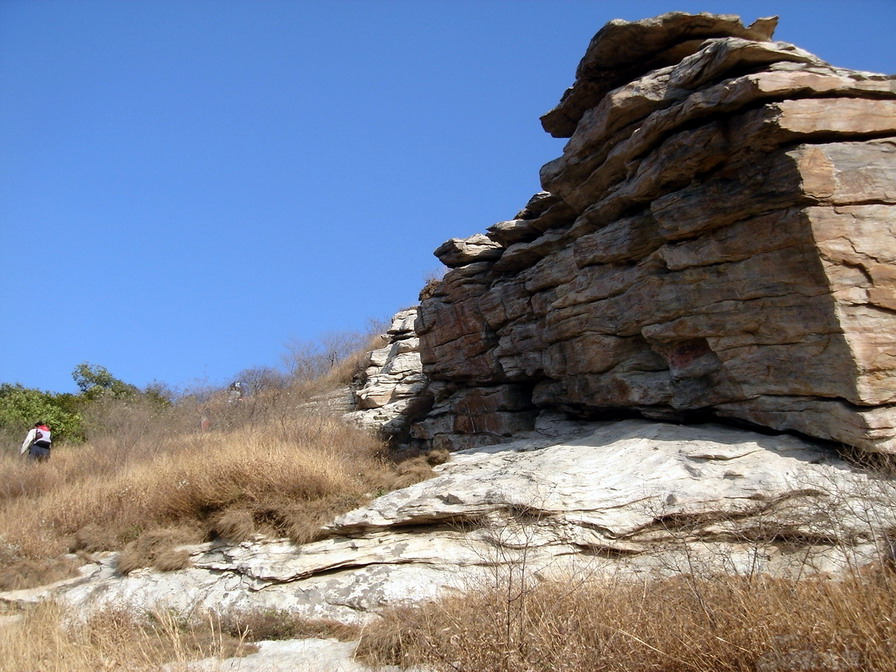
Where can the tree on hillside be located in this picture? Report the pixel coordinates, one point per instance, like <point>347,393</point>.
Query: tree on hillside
<point>261,378</point>
<point>95,382</point>
<point>73,416</point>
<point>159,393</point>
<point>308,360</point>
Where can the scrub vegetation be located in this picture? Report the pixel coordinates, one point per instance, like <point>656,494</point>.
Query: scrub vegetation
<point>152,473</point>
<point>682,624</point>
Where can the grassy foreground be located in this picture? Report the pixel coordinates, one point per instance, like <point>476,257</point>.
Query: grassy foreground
<point>46,640</point>
<point>685,624</point>
<point>153,478</point>
<point>282,467</point>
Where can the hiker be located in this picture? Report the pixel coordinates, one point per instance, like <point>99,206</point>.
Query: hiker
<point>236,393</point>
<point>37,442</point>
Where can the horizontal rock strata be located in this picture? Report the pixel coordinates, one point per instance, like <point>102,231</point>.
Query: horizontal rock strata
<point>716,239</point>
<point>393,385</point>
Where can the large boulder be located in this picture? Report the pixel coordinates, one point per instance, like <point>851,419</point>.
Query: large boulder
<point>717,239</point>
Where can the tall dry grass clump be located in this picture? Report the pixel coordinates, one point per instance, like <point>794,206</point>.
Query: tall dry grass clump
<point>113,640</point>
<point>280,466</point>
<point>674,625</point>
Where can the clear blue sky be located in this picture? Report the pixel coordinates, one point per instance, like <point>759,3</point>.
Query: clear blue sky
<point>188,185</point>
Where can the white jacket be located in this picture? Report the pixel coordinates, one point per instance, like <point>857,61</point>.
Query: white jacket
<point>29,439</point>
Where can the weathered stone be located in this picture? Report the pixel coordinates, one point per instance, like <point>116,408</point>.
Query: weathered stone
<point>623,50</point>
<point>403,324</point>
<point>594,147</point>
<point>477,416</point>
<point>722,237</point>
<point>386,398</point>
<point>524,255</point>
<point>462,251</point>
<point>634,117</point>
<point>513,231</point>
<point>682,156</point>
<point>630,238</point>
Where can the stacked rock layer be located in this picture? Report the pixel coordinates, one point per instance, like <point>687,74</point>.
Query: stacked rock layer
<point>717,239</point>
<point>392,384</point>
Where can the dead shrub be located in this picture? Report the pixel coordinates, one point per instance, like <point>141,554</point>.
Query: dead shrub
<point>234,525</point>
<point>277,624</point>
<point>408,472</point>
<point>438,456</point>
<point>172,560</point>
<point>113,639</point>
<point>331,360</point>
<point>157,545</point>
<point>24,572</point>
<point>685,623</point>
<point>389,640</point>
<point>93,538</point>
<point>431,285</point>
<point>348,369</point>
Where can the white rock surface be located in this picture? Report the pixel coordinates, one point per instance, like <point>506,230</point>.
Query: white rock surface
<point>298,655</point>
<point>393,378</point>
<point>628,497</point>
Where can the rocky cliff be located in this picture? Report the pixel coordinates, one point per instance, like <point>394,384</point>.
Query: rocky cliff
<point>717,240</point>
<point>392,386</point>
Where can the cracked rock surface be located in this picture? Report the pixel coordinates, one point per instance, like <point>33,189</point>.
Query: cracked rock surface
<point>629,497</point>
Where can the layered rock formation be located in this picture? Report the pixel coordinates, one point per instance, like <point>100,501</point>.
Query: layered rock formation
<point>393,383</point>
<point>717,239</point>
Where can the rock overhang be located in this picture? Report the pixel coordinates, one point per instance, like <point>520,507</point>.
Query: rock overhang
<point>716,239</point>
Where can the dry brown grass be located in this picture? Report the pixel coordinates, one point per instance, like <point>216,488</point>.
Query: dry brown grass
<point>48,639</point>
<point>234,525</point>
<point>275,624</point>
<point>674,625</point>
<point>112,640</point>
<point>282,476</point>
<point>158,548</point>
<point>344,371</point>
<point>155,476</point>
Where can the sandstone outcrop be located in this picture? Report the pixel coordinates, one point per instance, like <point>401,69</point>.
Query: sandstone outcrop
<point>393,383</point>
<point>715,242</point>
<point>717,239</point>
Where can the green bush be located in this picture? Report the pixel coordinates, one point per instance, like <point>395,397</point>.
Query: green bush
<point>69,415</point>
<point>21,407</point>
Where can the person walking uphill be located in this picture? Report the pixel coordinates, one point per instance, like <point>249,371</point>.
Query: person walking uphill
<point>37,442</point>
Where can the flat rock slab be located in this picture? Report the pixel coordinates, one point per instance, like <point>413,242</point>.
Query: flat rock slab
<point>297,655</point>
<point>624,498</point>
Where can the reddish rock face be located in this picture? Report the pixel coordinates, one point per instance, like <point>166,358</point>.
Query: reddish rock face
<point>717,239</point>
